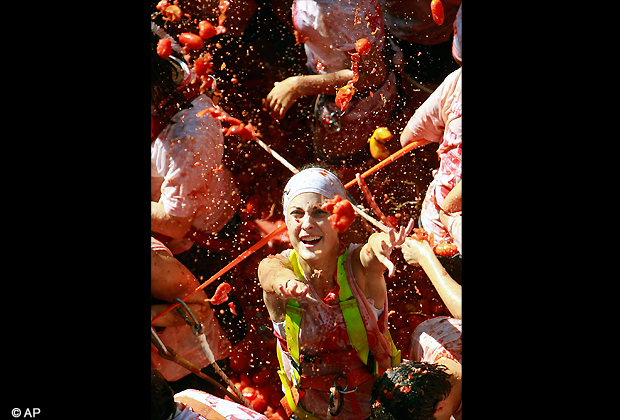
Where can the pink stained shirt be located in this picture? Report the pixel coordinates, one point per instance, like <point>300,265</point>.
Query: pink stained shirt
<point>187,174</point>
<point>438,120</point>
<point>436,338</point>
<point>195,398</point>
<point>329,29</point>
<point>323,330</point>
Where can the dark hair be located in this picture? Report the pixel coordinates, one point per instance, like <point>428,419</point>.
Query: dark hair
<point>164,93</point>
<point>409,391</point>
<point>162,397</point>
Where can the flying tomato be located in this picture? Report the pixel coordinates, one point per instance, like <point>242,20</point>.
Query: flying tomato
<point>344,95</point>
<point>342,215</point>
<point>362,46</point>
<point>207,30</point>
<point>164,48</point>
<point>221,294</point>
<point>203,65</point>
<point>445,249</point>
<point>192,41</point>
<point>437,11</point>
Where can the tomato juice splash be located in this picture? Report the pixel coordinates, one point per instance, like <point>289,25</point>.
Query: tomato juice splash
<point>258,62</point>
<point>345,93</point>
<point>342,213</point>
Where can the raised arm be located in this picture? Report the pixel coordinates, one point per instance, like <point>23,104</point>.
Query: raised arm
<point>280,284</point>
<point>420,253</point>
<point>371,72</point>
<point>374,258</point>
<point>171,279</point>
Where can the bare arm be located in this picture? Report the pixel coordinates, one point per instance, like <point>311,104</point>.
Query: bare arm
<point>280,284</point>
<point>171,279</point>
<point>162,222</point>
<point>374,258</point>
<point>420,253</point>
<point>371,72</point>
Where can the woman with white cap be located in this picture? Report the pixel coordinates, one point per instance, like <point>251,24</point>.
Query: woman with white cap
<point>328,305</point>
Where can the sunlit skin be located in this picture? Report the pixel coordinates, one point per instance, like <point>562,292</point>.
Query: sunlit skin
<point>371,71</point>
<point>316,243</point>
<point>171,279</point>
<point>446,407</point>
<point>420,253</point>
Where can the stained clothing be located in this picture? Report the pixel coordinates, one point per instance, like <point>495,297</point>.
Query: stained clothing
<point>184,342</point>
<point>191,402</point>
<point>329,29</point>
<point>187,173</point>
<point>436,338</point>
<point>323,331</point>
<point>438,120</point>
<point>411,20</point>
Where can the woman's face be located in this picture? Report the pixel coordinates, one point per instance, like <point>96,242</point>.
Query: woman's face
<point>309,229</point>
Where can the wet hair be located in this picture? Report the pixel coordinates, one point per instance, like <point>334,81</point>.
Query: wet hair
<point>162,397</point>
<point>409,391</point>
<point>164,93</point>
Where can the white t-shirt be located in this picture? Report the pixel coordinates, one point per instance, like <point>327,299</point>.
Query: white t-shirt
<point>187,173</point>
<point>330,28</point>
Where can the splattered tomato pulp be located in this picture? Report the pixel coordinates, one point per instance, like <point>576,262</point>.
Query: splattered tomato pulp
<point>241,71</point>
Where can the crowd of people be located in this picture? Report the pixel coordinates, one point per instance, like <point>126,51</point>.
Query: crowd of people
<point>327,299</point>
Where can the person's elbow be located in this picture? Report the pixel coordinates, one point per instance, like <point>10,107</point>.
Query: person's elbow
<point>178,226</point>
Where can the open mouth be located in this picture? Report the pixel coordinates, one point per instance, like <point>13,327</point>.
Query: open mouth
<point>311,239</point>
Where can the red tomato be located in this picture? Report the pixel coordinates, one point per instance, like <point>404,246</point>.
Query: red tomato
<point>437,10</point>
<point>259,404</point>
<point>362,46</point>
<point>245,380</point>
<point>203,66</point>
<point>342,216</point>
<point>344,95</point>
<point>280,414</point>
<point>191,40</point>
<point>249,392</point>
<point>275,398</point>
<point>206,29</point>
<point>221,294</point>
<point>445,249</point>
<point>164,48</point>
<point>251,208</point>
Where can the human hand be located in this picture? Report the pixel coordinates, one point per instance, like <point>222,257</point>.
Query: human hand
<point>282,97</point>
<point>414,250</point>
<point>292,290</point>
<point>394,241</point>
